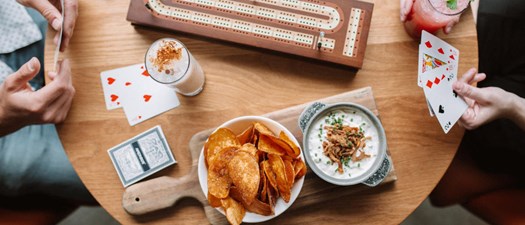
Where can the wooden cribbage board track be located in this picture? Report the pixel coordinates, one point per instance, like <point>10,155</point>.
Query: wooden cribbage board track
<point>289,26</point>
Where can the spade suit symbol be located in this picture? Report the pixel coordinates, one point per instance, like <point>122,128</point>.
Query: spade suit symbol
<point>441,109</point>
<point>455,94</point>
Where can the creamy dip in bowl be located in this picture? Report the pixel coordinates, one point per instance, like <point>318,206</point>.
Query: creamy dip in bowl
<point>344,144</point>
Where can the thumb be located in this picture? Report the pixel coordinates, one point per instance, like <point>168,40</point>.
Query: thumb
<point>448,28</point>
<point>26,72</point>
<point>50,12</point>
<point>468,91</point>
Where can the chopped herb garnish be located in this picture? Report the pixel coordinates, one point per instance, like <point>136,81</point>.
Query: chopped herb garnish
<point>359,165</point>
<point>452,4</point>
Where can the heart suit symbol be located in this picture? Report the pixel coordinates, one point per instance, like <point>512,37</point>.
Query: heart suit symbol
<point>114,97</point>
<point>146,98</point>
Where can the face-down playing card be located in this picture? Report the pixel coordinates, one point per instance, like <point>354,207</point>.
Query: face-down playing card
<point>141,156</point>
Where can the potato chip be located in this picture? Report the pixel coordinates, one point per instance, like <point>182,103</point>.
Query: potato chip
<point>214,201</point>
<point>219,180</point>
<point>262,129</point>
<point>272,196</point>
<point>256,206</point>
<point>246,136</point>
<point>266,144</point>
<point>217,141</point>
<point>270,175</point>
<point>289,170</point>
<point>234,210</point>
<point>284,146</point>
<point>278,168</point>
<point>263,195</point>
<point>244,172</point>
<point>218,185</point>
<point>299,168</point>
<point>250,148</point>
<point>295,148</point>
<point>262,208</point>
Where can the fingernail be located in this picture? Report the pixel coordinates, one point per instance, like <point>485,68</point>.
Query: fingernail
<point>56,24</point>
<point>52,75</point>
<point>31,63</point>
<point>457,86</point>
<point>448,29</point>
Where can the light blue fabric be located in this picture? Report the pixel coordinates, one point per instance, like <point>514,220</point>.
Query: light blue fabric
<point>32,159</point>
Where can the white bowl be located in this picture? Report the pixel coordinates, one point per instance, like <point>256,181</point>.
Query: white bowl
<point>381,165</point>
<point>238,125</point>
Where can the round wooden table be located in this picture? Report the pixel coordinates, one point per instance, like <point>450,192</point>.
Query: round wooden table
<point>242,80</point>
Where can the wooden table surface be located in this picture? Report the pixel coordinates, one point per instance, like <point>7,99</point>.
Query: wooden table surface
<point>241,81</point>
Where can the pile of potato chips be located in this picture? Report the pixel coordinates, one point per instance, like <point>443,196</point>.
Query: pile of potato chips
<point>251,170</point>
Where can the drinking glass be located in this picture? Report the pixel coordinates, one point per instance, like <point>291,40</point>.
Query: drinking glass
<point>169,62</point>
<point>431,15</point>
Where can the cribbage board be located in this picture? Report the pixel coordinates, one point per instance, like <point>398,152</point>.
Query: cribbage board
<point>328,30</point>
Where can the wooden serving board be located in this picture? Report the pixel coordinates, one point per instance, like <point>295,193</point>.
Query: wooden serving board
<point>289,26</point>
<point>163,192</point>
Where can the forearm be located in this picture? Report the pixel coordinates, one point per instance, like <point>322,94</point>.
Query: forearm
<point>518,111</point>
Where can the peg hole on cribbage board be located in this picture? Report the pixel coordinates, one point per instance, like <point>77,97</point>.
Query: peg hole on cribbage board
<point>330,30</point>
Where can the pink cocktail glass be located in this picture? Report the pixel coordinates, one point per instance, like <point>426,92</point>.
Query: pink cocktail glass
<point>431,15</point>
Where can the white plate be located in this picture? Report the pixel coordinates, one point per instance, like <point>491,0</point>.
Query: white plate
<point>238,125</point>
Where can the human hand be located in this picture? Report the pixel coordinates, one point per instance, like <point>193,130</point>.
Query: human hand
<point>50,9</point>
<point>406,7</point>
<point>484,104</point>
<point>21,106</point>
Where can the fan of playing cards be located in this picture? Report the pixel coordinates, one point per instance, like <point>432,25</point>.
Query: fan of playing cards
<point>437,70</point>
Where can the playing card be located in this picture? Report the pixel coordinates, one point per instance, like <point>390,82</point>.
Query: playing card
<point>143,98</point>
<point>441,52</point>
<point>112,80</point>
<point>447,105</point>
<point>57,49</point>
<point>430,110</point>
<point>429,64</point>
<point>422,68</point>
<point>141,156</point>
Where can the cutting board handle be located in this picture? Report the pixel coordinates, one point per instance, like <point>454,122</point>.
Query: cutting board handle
<point>161,192</point>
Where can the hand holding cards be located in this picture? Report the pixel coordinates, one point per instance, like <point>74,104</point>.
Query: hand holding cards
<point>437,70</point>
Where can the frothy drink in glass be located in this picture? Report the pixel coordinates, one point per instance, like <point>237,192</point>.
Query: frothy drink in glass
<point>169,62</point>
<point>432,15</point>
